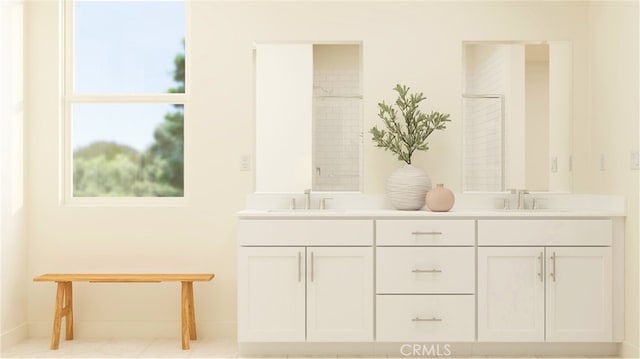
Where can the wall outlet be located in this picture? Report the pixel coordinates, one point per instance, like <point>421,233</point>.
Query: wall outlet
<point>634,160</point>
<point>602,162</point>
<point>245,163</point>
<point>554,164</point>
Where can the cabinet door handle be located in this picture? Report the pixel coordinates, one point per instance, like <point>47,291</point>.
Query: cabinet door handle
<point>312,266</point>
<point>541,265</point>
<point>417,233</point>
<point>432,319</point>
<point>427,271</point>
<point>299,267</point>
<point>553,273</point>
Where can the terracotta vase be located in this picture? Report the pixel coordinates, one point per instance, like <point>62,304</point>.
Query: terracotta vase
<point>440,199</point>
<point>407,187</point>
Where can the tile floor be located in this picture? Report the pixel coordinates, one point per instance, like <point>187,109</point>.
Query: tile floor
<point>136,348</point>
<point>122,348</point>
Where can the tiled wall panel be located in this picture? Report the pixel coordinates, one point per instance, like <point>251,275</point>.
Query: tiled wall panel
<point>337,113</point>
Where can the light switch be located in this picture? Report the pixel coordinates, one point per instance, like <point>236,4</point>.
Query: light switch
<point>635,160</point>
<point>602,162</point>
<point>554,164</point>
<point>245,163</point>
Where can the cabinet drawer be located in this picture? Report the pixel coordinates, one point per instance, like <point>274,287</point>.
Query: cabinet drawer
<point>305,232</point>
<point>425,270</point>
<point>425,318</point>
<point>425,232</point>
<point>551,232</point>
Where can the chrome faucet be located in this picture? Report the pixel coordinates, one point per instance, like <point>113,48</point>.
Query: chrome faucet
<point>323,202</point>
<point>506,202</point>
<point>521,196</point>
<point>307,199</point>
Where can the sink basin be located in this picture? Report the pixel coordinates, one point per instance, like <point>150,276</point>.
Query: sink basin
<point>539,210</point>
<point>304,210</point>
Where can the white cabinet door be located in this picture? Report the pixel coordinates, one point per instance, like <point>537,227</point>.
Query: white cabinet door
<point>271,294</point>
<point>339,294</point>
<point>511,294</point>
<point>579,289</point>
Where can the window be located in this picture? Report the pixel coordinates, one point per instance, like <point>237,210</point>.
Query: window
<point>125,96</point>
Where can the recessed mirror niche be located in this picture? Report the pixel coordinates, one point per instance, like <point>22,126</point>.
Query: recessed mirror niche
<point>308,117</point>
<point>517,102</point>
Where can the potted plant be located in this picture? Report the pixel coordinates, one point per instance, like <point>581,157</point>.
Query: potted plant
<point>408,185</point>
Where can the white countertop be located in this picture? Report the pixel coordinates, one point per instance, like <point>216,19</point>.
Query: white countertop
<point>483,205</point>
<point>423,214</point>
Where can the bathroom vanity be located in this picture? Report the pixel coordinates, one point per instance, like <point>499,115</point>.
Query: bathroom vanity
<point>485,281</point>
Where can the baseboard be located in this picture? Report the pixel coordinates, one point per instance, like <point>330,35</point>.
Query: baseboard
<point>13,336</point>
<point>139,329</point>
<point>628,350</point>
<point>430,350</point>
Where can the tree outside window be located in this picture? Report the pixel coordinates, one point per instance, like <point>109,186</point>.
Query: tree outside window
<point>127,137</point>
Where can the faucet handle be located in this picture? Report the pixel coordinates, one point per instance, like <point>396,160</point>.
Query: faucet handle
<point>536,202</point>
<point>323,202</point>
<point>506,203</point>
<point>307,199</point>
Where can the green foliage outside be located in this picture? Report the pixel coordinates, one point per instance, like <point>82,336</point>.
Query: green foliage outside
<point>108,169</point>
<point>405,137</point>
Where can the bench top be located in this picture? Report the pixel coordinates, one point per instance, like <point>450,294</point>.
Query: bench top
<point>129,278</point>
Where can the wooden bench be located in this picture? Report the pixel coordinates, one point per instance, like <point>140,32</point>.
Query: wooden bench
<point>64,298</point>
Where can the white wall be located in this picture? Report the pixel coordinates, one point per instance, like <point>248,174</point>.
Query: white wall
<point>13,245</point>
<point>612,129</point>
<point>414,43</point>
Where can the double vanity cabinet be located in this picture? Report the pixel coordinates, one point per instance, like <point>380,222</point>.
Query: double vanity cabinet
<point>399,277</point>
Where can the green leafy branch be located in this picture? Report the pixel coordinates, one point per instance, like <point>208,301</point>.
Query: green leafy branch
<point>405,137</point>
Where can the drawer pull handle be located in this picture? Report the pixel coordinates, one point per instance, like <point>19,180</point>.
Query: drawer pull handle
<point>426,233</point>
<point>541,267</point>
<point>299,267</point>
<point>427,271</point>
<point>312,267</point>
<point>553,274</point>
<point>432,319</point>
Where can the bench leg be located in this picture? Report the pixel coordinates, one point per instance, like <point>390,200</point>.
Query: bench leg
<point>68,311</point>
<point>64,307</point>
<point>188,315</point>
<point>192,314</point>
<point>185,315</point>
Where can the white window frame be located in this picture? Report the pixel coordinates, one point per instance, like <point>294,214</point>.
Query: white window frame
<point>68,98</point>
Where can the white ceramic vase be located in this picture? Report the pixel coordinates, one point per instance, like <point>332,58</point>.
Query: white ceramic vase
<point>407,187</point>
